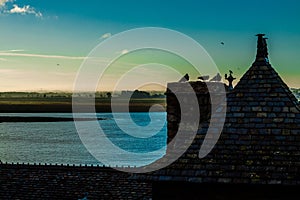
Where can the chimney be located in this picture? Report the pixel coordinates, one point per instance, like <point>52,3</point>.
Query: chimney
<point>262,49</point>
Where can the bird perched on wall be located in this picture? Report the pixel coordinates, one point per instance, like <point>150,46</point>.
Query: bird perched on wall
<point>230,79</point>
<point>230,74</point>
<point>218,78</point>
<point>185,78</point>
<point>203,78</point>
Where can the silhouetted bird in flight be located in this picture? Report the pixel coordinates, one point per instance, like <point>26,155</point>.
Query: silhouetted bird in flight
<point>218,77</point>
<point>203,78</point>
<point>222,43</point>
<point>185,78</point>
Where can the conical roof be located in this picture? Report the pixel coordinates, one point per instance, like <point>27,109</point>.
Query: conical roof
<point>261,98</point>
<point>261,86</point>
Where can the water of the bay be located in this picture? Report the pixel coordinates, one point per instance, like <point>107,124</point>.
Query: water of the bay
<point>59,142</point>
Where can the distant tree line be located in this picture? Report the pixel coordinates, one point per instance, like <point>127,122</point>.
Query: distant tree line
<point>136,94</point>
<point>105,94</point>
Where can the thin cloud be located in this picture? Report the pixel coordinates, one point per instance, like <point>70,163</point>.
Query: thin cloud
<point>7,71</point>
<point>106,35</point>
<point>3,2</point>
<point>25,10</point>
<point>40,56</point>
<point>14,50</point>
<point>125,51</point>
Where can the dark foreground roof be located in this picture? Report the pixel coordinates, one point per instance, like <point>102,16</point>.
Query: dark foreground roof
<point>68,182</point>
<point>260,142</point>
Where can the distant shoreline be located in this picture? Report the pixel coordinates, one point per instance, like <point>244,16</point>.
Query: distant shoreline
<point>68,109</point>
<point>4,119</point>
<point>64,105</point>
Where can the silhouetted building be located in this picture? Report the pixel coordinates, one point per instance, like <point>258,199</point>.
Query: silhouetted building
<point>257,154</point>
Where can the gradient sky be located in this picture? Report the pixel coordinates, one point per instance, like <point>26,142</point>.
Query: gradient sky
<point>43,43</point>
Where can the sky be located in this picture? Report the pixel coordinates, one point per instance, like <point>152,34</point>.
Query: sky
<point>43,43</point>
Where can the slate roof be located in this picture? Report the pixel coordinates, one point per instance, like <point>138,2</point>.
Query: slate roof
<point>260,142</point>
<point>19,181</point>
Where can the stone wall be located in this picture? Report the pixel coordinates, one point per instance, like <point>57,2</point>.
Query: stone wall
<point>200,89</point>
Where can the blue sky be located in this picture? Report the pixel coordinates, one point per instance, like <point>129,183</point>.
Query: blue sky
<point>37,34</point>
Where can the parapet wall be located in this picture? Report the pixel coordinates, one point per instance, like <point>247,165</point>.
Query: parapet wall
<point>203,94</point>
